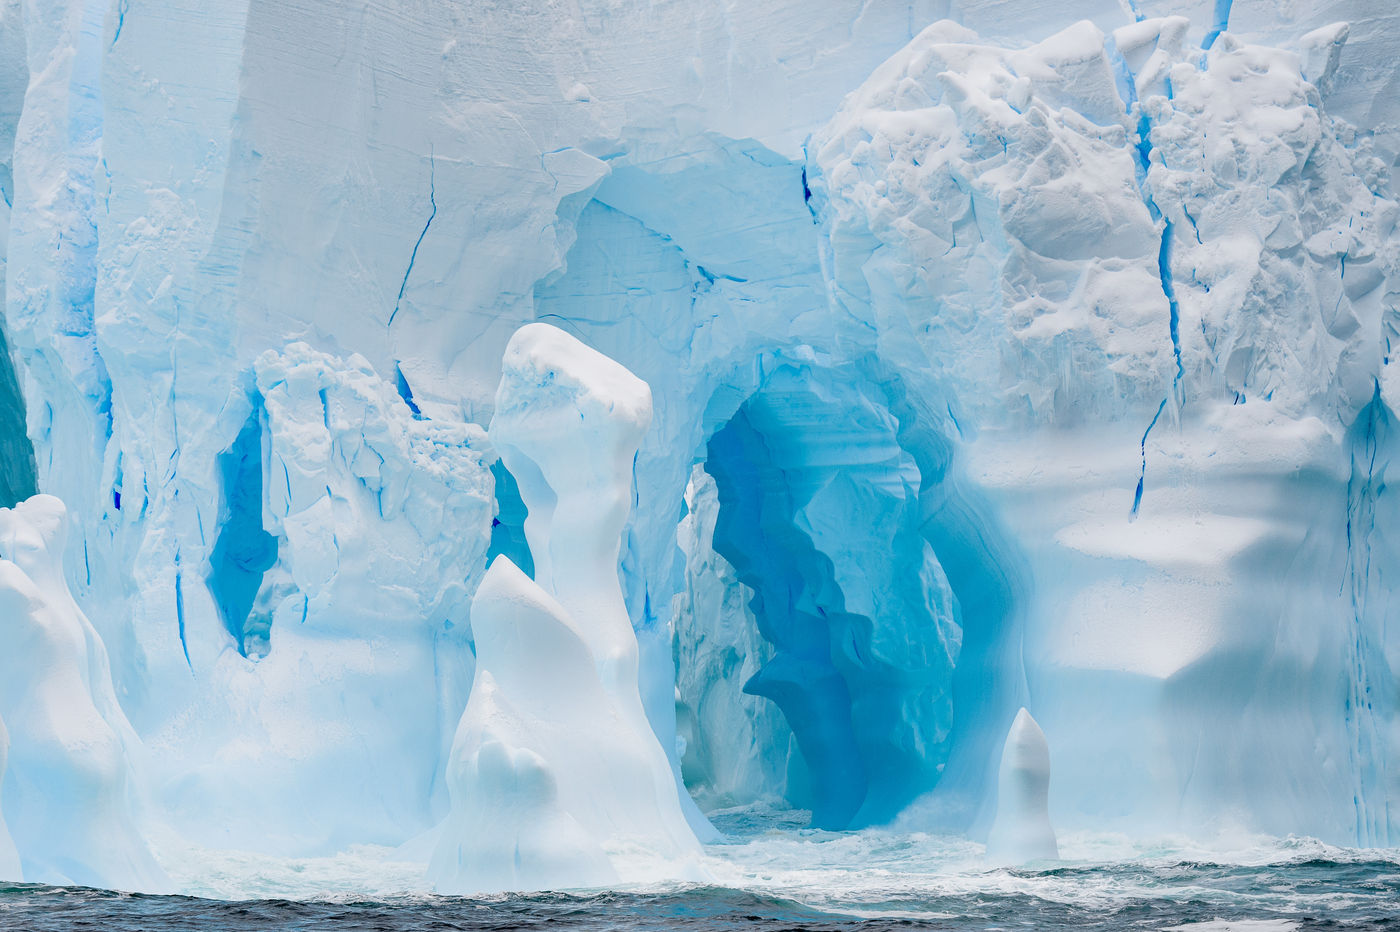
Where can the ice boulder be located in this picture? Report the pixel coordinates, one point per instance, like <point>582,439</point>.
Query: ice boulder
<point>556,777</point>
<point>68,789</point>
<point>1022,830</point>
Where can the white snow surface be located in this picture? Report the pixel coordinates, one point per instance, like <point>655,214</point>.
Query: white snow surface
<point>993,359</point>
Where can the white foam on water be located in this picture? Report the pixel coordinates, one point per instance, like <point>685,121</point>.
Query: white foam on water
<point>1241,925</point>
<point>867,874</point>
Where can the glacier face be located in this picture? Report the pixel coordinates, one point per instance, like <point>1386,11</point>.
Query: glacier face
<point>997,360</point>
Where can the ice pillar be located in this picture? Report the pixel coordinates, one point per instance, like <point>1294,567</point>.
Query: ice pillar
<point>1022,831</point>
<point>554,769</point>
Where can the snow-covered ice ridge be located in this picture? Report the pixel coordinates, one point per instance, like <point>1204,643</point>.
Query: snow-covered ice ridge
<point>996,361</point>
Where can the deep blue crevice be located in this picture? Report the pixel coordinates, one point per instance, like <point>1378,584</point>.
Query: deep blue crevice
<point>122,8</point>
<point>1164,271</point>
<point>1219,25</point>
<point>243,550</point>
<point>1374,441</point>
<point>18,470</point>
<point>1142,474</point>
<point>508,527</point>
<point>117,485</point>
<point>180,608</point>
<point>807,189</point>
<point>413,257</point>
<point>1142,158</point>
<point>1195,229</point>
<point>405,392</point>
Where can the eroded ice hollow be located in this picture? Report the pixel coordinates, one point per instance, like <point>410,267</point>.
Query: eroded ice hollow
<point>836,571</point>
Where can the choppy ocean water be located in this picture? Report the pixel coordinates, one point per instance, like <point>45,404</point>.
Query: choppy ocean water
<point>779,880</point>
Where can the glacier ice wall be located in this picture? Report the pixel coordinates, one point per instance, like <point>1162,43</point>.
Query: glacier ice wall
<point>1194,284</point>
<point>1091,323</point>
<point>346,649</point>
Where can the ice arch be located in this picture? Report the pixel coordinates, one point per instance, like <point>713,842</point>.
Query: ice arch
<point>884,599</point>
<point>702,275</point>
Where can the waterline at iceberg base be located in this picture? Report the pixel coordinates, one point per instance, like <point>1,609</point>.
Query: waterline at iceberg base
<point>628,464</point>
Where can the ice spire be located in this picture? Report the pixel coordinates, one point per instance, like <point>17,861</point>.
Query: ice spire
<point>1022,830</point>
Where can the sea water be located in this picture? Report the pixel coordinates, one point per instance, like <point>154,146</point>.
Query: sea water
<point>772,875</point>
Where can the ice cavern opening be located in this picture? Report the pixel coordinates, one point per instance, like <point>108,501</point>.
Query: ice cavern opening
<point>840,579</point>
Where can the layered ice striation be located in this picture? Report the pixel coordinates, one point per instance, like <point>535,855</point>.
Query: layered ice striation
<point>995,361</point>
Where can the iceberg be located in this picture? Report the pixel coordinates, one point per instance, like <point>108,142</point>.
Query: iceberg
<point>820,384</point>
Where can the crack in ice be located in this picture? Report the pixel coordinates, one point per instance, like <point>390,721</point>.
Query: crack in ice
<point>413,257</point>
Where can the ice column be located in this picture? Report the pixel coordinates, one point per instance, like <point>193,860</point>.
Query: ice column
<point>67,788</point>
<point>554,770</point>
<point>1022,831</point>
